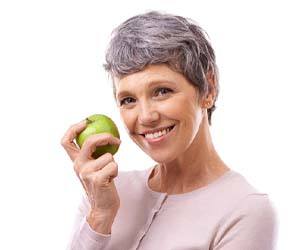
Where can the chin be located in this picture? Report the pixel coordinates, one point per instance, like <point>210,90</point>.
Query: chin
<point>161,157</point>
<point>163,154</point>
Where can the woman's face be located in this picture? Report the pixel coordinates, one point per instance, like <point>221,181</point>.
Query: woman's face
<point>154,99</point>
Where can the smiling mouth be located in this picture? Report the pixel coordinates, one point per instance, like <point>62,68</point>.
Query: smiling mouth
<point>170,129</point>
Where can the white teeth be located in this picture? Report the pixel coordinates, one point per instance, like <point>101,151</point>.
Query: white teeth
<point>150,136</point>
<point>158,134</point>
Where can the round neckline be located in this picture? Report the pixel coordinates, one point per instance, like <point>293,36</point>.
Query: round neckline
<point>207,187</point>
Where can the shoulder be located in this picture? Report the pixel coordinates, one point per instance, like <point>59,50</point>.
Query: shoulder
<point>236,190</point>
<point>249,205</point>
<point>258,208</point>
<point>253,217</point>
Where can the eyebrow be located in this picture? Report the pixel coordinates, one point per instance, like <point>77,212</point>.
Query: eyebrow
<point>149,85</point>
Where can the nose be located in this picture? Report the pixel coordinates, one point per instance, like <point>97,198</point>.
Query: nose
<point>148,115</point>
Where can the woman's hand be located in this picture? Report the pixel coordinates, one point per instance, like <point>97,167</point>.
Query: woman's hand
<point>95,175</point>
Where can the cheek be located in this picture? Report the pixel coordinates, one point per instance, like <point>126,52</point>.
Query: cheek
<point>181,107</point>
<point>173,107</point>
<point>188,112</point>
<point>128,119</point>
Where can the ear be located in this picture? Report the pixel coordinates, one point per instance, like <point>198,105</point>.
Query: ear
<point>209,99</point>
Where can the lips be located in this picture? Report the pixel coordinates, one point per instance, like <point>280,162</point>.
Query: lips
<point>171,127</point>
<point>159,141</point>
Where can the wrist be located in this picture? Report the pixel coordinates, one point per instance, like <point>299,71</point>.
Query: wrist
<point>100,222</point>
<point>102,215</point>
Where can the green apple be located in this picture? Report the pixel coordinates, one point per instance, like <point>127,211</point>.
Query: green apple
<point>97,124</point>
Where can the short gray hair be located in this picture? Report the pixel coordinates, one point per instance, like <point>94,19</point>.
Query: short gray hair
<point>156,38</point>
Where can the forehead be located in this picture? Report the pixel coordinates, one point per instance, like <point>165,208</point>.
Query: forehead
<point>150,76</point>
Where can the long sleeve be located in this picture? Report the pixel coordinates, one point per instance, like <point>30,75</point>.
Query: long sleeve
<point>83,236</point>
<point>227,214</point>
<point>251,226</point>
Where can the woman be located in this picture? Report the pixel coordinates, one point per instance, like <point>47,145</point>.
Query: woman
<point>165,83</point>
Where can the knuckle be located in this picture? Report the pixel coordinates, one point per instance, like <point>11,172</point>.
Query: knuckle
<point>77,166</point>
<point>97,178</point>
<point>63,141</point>
<point>116,169</point>
<point>83,176</point>
<point>72,129</point>
<point>109,156</point>
<point>87,143</point>
<point>72,126</point>
<point>101,137</point>
<point>98,138</point>
<point>98,181</point>
<point>114,165</point>
<point>106,135</point>
<point>90,140</point>
<point>113,169</point>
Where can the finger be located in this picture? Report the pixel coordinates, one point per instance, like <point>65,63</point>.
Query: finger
<point>99,177</point>
<point>67,140</point>
<point>108,173</point>
<point>93,166</point>
<point>90,144</point>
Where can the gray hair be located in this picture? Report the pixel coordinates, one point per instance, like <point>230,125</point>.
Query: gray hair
<point>156,38</point>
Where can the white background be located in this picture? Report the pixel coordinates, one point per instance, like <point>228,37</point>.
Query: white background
<point>51,76</point>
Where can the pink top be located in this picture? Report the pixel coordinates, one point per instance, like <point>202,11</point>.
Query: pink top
<point>227,214</point>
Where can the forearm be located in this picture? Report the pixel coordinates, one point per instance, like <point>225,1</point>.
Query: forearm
<point>86,237</point>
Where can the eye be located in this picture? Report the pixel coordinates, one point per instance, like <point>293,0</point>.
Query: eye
<point>163,91</point>
<point>124,101</point>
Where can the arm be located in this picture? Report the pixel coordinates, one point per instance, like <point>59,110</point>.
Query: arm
<point>84,237</point>
<point>251,226</point>
<point>93,225</point>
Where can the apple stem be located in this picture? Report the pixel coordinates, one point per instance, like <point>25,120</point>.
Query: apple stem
<point>88,121</point>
